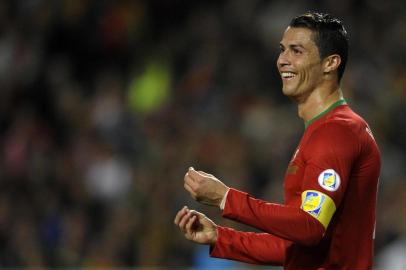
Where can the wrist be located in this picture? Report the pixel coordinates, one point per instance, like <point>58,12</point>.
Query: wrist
<point>215,236</point>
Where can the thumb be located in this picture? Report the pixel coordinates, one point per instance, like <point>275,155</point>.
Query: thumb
<point>196,213</point>
<point>202,218</point>
<point>205,174</point>
<point>193,173</point>
<point>201,173</point>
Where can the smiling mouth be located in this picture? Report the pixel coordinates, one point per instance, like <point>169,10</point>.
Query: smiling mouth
<point>288,75</point>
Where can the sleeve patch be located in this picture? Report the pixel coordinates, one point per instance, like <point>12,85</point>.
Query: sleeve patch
<point>319,205</point>
<point>329,180</point>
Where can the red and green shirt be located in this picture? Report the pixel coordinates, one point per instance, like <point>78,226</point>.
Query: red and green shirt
<point>328,218</point>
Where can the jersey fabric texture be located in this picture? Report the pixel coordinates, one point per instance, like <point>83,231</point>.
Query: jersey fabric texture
<point>328,218</point>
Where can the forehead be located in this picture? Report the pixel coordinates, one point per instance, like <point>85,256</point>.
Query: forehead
<point>298,36</point>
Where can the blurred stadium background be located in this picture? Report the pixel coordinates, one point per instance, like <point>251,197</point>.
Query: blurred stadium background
<point>105,104</point>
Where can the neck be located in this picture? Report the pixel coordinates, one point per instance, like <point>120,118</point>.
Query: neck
<point>317,102</point>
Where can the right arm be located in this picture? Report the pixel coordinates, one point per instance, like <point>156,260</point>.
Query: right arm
<point>249,247</point>
<point>226,243</point>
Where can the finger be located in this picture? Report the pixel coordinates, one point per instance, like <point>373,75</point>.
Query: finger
<point>184,220</point>
<point>202,218</point>
<point>186,176</point>
<point>191,178</point>
<point>190,190</point>
<point>180,214</point>
<point>189,224</point>
<point>191,182</point>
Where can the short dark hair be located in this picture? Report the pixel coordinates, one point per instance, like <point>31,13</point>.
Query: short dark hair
<point>330,35</point>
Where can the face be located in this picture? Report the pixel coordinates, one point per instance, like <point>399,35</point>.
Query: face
<point>299,63</point>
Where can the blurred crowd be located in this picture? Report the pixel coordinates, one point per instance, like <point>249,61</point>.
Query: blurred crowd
<point>105,104</point>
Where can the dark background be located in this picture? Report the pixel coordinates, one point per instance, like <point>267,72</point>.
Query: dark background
<point>105,104</point>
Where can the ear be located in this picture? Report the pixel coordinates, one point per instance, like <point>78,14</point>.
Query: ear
<point>331,63</point>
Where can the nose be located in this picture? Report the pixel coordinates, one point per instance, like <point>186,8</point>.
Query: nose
<point>282,59</point>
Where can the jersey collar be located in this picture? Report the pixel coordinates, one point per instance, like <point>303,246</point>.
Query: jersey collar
<point>332,107</point>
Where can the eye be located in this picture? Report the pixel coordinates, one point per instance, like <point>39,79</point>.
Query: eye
<point>296,51</point>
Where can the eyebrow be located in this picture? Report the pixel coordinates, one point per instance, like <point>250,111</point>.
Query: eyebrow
<point>292,46</point>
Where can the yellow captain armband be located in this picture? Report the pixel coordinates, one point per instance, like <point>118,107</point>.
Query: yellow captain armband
<point>319,205</point>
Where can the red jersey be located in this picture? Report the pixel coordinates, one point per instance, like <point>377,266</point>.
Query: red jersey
<point>328,218</point>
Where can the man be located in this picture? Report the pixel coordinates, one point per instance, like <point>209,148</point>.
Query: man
<point>328,219</point>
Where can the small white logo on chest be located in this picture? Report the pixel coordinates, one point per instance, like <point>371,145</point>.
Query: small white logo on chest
<point>329,180</point>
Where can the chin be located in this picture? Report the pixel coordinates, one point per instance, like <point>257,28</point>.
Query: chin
<point>291,94</point>
<point>288,92</point>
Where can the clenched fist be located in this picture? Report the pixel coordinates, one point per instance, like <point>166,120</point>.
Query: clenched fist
<point>204,187</point>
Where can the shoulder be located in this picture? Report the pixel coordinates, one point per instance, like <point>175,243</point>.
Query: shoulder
<point>340,123</point>
<point>347,119</point>
<point>336,135</point>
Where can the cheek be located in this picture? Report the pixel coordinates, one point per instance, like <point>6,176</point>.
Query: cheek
<point>312,74</point>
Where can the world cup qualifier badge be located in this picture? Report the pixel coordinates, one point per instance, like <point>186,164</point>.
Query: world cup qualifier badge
<point>329,180</point>
<point>313,202</point>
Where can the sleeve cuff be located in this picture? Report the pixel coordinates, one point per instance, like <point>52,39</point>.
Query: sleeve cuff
<point>223,201</point>
<point>223,243</point>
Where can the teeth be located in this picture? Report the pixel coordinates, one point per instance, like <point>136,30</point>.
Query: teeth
<point>287,74</point>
